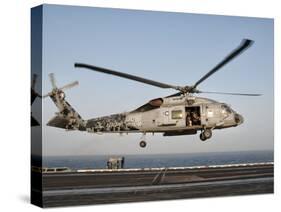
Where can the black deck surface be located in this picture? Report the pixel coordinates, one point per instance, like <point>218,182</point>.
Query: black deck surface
<point>73,188</point>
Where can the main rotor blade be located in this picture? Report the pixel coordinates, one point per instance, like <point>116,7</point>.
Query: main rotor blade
<point>127,76</point>
<point>52,79</point>
<point>224,93</point>
<point>246,43</point>
<point>70,85</point>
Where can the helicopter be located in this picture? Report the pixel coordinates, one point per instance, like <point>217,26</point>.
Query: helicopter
<point>181,113</point>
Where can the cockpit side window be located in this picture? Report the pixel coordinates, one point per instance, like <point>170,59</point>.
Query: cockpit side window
<point>226,108</point>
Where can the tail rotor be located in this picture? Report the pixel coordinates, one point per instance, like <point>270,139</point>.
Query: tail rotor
<point>59,91</point>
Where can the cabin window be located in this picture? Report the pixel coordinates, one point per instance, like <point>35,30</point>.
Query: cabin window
<point>177,114</point>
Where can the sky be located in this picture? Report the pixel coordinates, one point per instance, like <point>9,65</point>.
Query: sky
<point>174,48</point>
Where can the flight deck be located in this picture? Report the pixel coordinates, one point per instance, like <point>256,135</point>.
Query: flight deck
<point>96,186</point>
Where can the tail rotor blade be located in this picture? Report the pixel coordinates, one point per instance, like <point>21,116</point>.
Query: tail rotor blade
<point>48,94</point>
<point>53,81</point>
<point>70,85</point>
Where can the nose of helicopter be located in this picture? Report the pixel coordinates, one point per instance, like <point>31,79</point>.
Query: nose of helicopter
<point>238,119</point>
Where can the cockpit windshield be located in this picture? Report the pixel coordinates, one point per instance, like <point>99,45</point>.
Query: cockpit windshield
<point>153,104</point>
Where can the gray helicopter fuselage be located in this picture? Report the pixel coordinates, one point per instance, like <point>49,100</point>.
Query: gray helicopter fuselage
<point>169,115</point>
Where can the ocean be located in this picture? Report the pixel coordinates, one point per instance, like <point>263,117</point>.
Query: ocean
<point>157,161</point>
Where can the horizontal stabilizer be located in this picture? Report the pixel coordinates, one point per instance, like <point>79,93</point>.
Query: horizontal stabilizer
<point>59,121</point>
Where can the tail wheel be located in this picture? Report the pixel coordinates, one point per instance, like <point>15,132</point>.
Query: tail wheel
<point>202,137</point>
<point>142,144</point>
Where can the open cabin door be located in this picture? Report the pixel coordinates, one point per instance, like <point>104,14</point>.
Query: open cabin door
<point>193,116</point>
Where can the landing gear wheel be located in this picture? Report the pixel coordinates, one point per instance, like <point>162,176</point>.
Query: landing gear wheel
<point>207,133</point>
<point>202,137</point>
<point>142,144</point>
